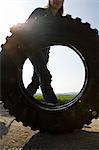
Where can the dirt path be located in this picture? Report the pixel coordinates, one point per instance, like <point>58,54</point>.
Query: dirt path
<point>18,137</point>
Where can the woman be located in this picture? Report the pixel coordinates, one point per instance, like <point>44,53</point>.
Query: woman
<point>41,74</point>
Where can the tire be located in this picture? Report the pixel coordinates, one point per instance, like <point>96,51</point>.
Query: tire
<point>46,117</point>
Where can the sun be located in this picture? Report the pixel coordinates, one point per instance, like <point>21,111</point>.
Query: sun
<point>11,13</point>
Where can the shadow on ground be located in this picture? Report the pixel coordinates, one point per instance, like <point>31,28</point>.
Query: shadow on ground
<point>79,140</point>
<point>14,136</point>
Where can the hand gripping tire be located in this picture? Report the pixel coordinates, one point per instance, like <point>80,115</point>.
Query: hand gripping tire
<point>45,117</point>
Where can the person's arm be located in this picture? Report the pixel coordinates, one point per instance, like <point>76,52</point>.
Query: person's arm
<point>38,12</point>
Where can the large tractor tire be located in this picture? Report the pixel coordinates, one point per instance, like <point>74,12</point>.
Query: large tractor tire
<point>53,118</point>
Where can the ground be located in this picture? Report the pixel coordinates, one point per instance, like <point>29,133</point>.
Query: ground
<point>18,137</point>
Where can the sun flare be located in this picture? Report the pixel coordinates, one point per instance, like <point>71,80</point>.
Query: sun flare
<point>11,12</point>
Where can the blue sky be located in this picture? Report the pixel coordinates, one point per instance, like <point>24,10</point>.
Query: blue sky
<point>65,65</point>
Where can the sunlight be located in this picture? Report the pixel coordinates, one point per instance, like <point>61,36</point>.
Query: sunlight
<point>10,13</point>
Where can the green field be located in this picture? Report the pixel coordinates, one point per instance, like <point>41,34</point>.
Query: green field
<point>61,98</point>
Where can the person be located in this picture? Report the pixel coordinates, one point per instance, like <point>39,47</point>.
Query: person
<point>41,75</point>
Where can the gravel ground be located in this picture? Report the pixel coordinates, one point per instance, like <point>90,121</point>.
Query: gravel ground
<point>14,136</point>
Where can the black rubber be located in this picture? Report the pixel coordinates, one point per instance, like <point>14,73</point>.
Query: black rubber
<point>49,117</point>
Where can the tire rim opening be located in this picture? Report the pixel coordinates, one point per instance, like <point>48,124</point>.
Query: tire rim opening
<point>68,74</point>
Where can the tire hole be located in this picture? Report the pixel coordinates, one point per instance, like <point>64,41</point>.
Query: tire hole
<point>68,73</point>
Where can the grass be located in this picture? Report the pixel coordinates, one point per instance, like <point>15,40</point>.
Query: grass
<point>61,98</point>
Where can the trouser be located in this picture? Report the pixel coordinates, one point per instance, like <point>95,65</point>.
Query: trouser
<point>42,76</point>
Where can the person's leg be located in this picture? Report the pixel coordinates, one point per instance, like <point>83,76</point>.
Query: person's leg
<point>45,84</point>
<point>34,85</point>
<point>42,76</point>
